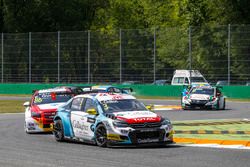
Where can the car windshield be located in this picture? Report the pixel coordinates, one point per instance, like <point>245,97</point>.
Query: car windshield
<point>206,91</point>
<point>197,79</point>
<point>122,105</point>
<point>52,97</point>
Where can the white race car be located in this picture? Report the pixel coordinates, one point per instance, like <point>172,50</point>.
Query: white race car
<point>40,111</point>
<point>203,97</point>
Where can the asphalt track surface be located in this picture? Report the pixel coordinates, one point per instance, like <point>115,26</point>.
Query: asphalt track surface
<point>20,149</point>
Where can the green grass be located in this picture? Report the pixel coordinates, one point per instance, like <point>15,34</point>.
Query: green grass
<point>16,95</point>
<point>214,136</point>
<point>228,127</point>
<point>11,106</point>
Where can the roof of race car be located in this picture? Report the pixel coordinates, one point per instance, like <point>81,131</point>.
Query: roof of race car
<point>203,87</point>
<point>200,84</point>
<point>59,89</point>
<point>107,96</point>
<point>102,87</point>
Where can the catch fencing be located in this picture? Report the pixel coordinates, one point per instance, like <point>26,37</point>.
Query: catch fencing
<point>117,56</point>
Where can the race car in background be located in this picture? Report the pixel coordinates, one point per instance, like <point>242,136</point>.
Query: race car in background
<point>204,97</point>
<point>106,89</point>
<point>108,119</point>
<point>76,90</point>
<point>40,111</point>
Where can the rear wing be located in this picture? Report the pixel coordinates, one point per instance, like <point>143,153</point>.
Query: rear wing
<point>86,88</point>
<point>127,90</point>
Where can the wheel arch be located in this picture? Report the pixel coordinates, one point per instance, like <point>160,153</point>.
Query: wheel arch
<point>100,123</point>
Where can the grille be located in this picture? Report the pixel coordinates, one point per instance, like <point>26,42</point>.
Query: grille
<point>146,125</point>
<point>46,126</point>
<point>49,115</point>
<point>138,135</point>
<point>201,102</point>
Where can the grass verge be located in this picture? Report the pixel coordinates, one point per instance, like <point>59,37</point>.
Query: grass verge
<point>228,127</point>
<point>11,106</point>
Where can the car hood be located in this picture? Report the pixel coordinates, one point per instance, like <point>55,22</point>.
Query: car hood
<point>48,107</point>
<point>199,97</point>
<point>137,116</point>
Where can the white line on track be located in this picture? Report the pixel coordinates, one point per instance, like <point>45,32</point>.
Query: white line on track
<point>217,146</point>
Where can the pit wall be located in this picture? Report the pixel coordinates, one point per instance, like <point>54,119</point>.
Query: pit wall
<point>236,92</point>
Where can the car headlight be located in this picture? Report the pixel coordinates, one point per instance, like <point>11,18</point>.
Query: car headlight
<point>35,114</point>
<point>165,122</point>
<point>120,124</point>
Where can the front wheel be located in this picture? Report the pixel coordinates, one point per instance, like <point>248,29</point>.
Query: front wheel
<point>184,107</point>
<point>101,135</point>
<point>58,130</point>
<point>25,128</point>
<point>224,105</point>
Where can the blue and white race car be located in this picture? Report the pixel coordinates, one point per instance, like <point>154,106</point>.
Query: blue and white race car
<point>108,119</point>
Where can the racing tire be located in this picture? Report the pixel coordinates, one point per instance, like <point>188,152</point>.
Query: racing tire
<point>218,105</point>
<point>224,105</point>
<point>101,136</point>
<point>58,130</point>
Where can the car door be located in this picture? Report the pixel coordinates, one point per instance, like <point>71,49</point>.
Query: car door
<point>81,121</point>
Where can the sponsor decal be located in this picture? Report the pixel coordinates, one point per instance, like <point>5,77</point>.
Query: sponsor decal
<point>141,119</point>
<point>91,120</point>
<point>77,125</point>
<point>38,100</point>
<point>147,130</point>
<point>31,124</point>
<point>144,119</point>
<point>113,137</point>
<point>148,140</point>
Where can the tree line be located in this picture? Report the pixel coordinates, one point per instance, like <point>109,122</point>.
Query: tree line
<point>202,16</point>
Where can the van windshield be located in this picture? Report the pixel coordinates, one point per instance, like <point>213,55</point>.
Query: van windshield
<point>197,79</point>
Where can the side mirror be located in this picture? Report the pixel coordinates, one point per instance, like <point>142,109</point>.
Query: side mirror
<point>150,107</point>
<point>26,104</point>
<point>92,111</point>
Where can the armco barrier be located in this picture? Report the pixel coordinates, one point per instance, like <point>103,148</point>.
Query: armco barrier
<point>239,92</point>
<point>153,90</point>
<point>25,88</point>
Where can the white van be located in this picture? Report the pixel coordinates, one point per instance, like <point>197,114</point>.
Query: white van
<point>188,77</point>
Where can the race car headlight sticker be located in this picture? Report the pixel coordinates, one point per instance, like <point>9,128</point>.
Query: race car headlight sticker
<point>35,115</point>
<point>120,124</point>
<point>165,122</point>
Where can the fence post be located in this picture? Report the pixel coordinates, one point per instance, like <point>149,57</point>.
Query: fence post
<point>88,56</point>
<point>228,54</point>
<point>2,56</point>
<point>190,47</point>
<point>29,57</point>
<point>120,55</point>
<point>154,53</point>
<point>58,56</point>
